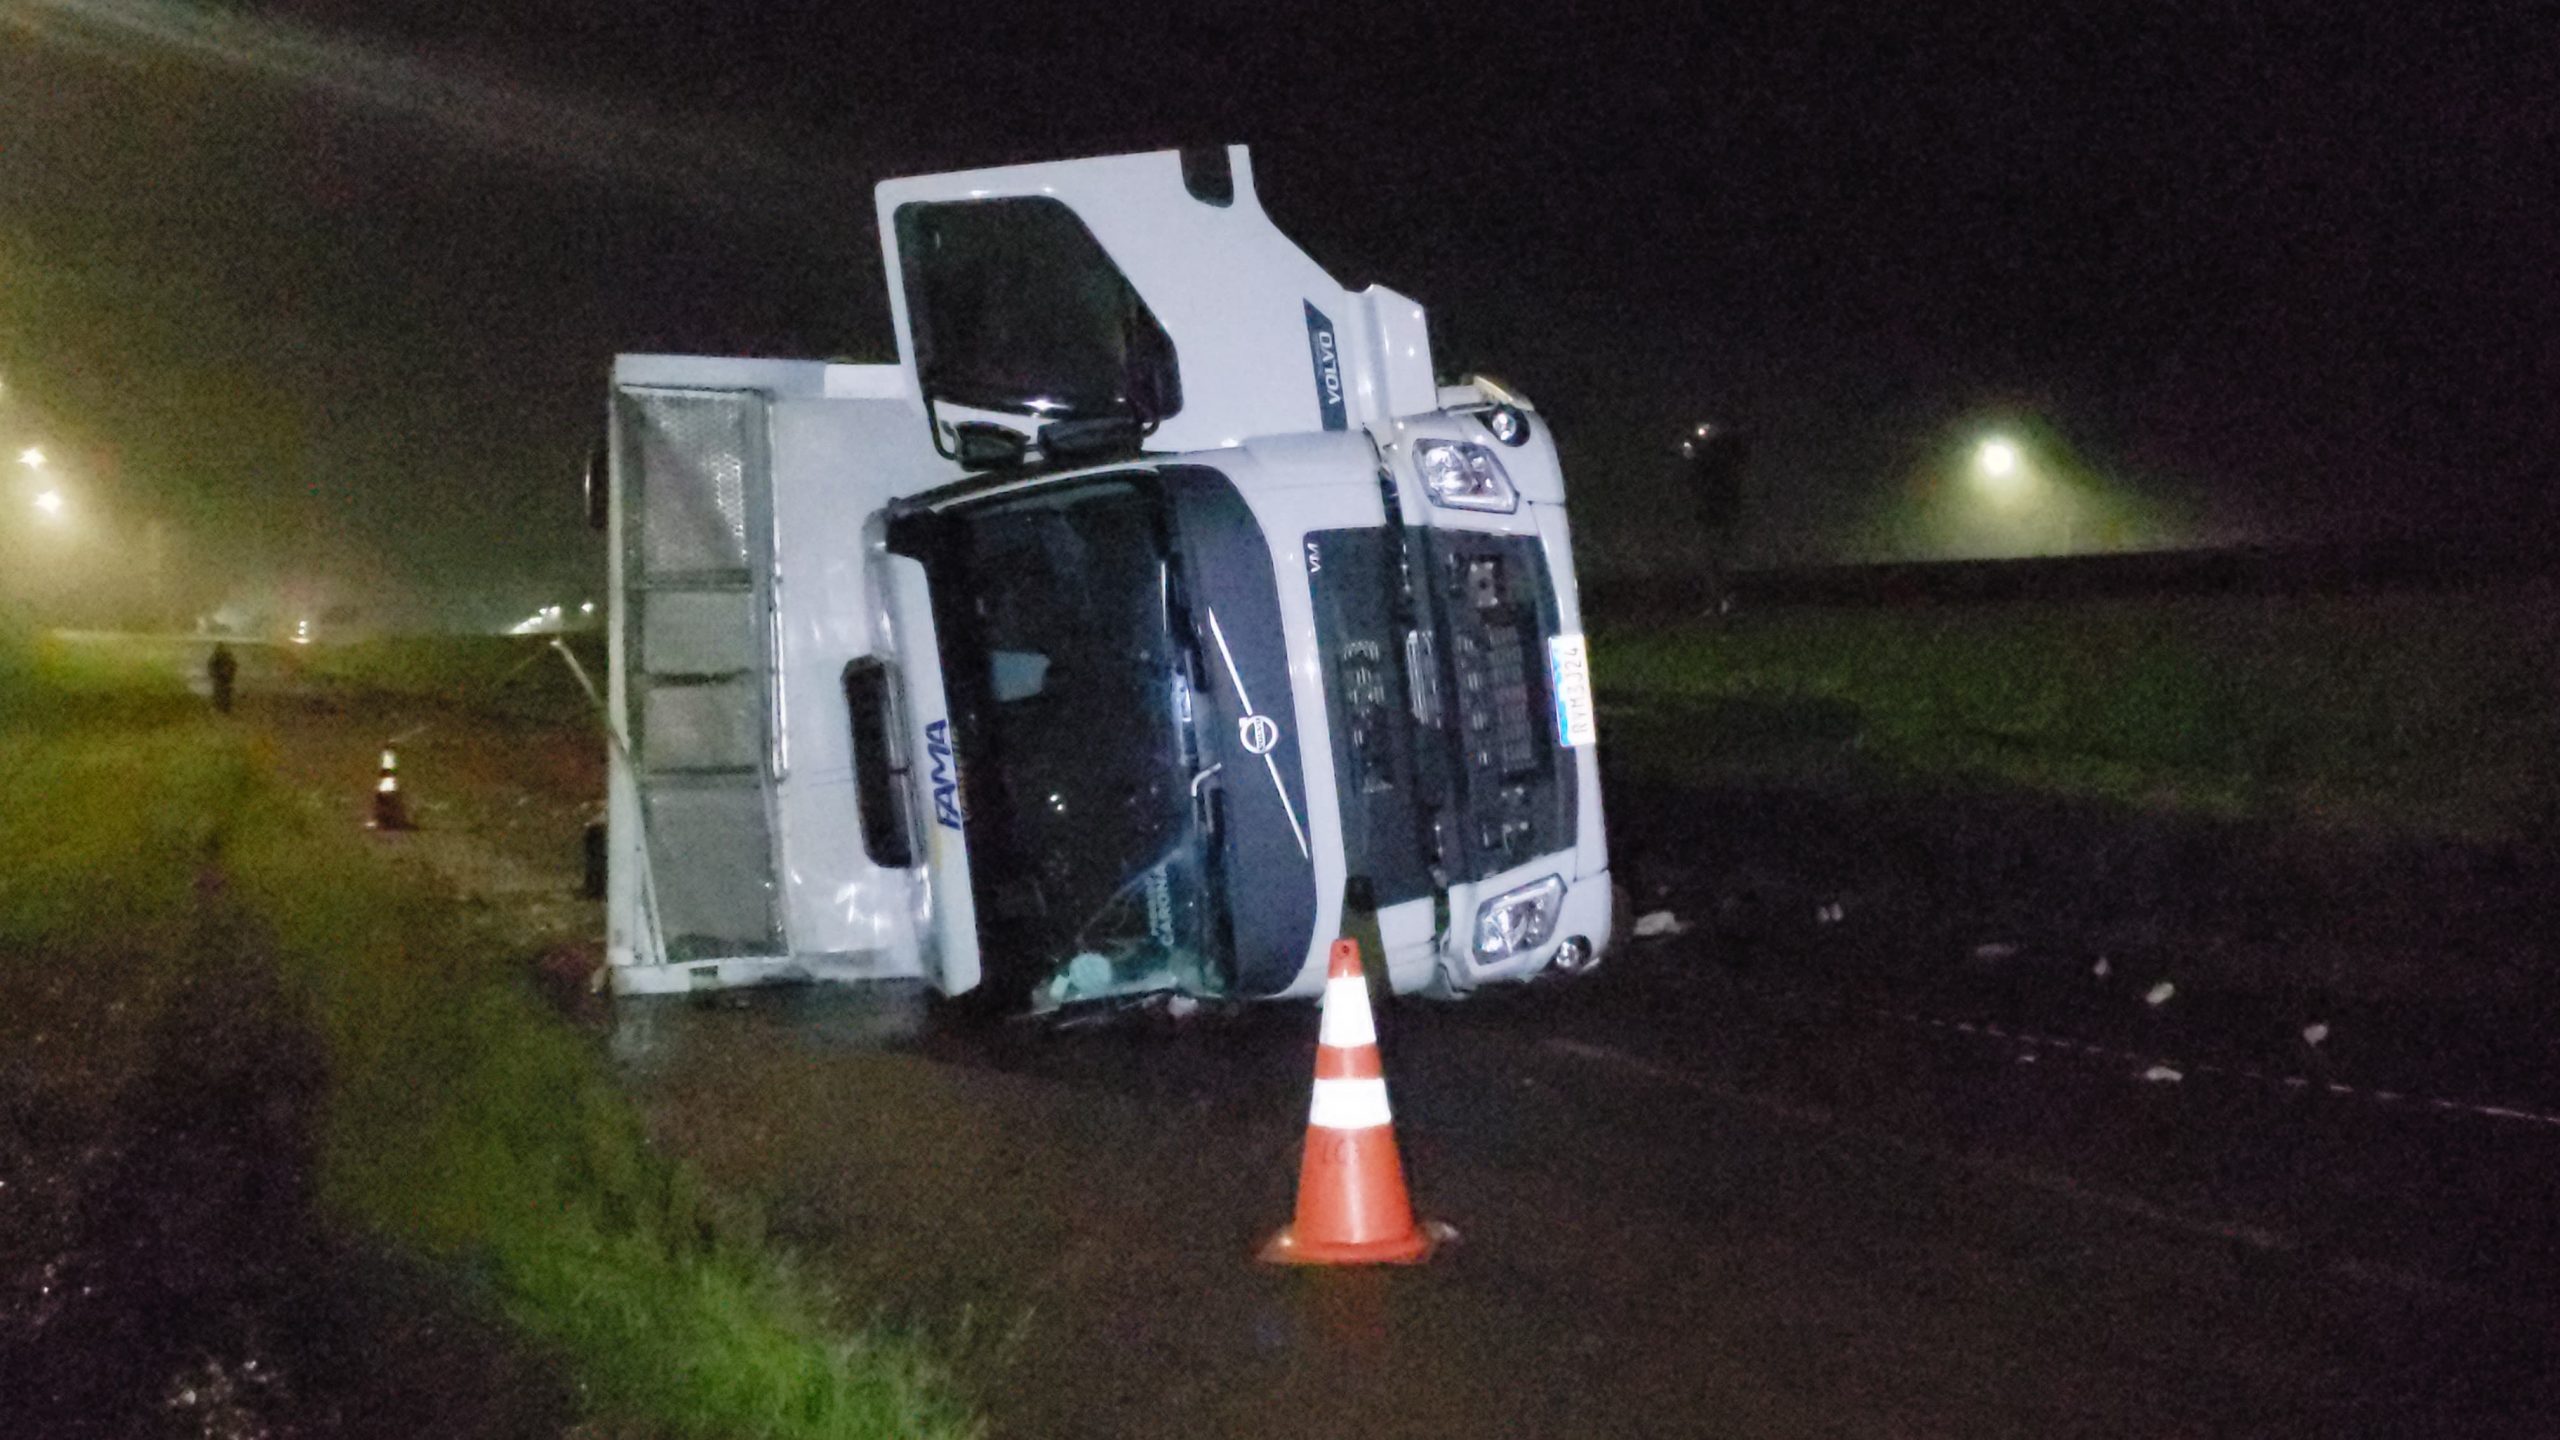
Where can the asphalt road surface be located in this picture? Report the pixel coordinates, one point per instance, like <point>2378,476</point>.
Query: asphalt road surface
<point>1687,1207</point>
<point>1693,1198</point>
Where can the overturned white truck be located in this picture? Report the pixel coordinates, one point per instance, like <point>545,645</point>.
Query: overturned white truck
<point>1155,619</point>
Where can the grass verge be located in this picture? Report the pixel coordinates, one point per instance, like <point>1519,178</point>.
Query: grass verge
<point>2431,714</point>
<point>461,1118</point>
<point>512,676</point>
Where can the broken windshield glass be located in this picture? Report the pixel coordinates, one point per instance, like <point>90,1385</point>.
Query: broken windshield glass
<point>1073,681</point>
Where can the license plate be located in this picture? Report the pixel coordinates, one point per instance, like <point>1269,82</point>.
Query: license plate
<point>1569,674</point>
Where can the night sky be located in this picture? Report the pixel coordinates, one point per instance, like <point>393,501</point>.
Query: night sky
<point>330,290</point>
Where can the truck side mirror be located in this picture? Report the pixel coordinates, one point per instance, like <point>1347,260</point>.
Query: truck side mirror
<point>985,445</point>
<point>599,485</point>
<point>1084,442</point>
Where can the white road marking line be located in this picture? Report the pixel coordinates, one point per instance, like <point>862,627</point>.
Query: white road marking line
<point>2103,1052</point>
<point>2032,1177</point>
<point>2504,1113</point>
<point>2245,1072</point>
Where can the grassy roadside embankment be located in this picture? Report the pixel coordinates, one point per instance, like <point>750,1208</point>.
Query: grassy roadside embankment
<point>502,677</point>
<point>457,1118</point>
<point>2434,715</point>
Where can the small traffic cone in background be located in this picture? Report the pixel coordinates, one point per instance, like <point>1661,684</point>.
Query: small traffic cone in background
<point>389,812</point>
<point>1352,1206</point>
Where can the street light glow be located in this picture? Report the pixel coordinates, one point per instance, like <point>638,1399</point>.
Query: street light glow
<point>50,502</point>
<point>32,457</point>
<point>2000,471</point>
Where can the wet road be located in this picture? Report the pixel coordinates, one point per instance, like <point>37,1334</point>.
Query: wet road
<point>1807,1196</point>
<point>1688,1207</point>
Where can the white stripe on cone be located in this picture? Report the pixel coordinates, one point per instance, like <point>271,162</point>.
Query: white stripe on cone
<point>1347,1021</point>
<point>1349,1104</point>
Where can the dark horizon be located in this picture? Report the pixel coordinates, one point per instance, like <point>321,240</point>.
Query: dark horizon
<point>331,290</point>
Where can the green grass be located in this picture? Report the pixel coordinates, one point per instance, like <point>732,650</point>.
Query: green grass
<point>509,675</point>
<point>461,1119</point>
<point>2430,714</point>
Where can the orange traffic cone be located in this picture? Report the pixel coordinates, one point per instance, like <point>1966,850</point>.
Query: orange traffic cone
<point>1352,1207</point>
<point>389,812</point>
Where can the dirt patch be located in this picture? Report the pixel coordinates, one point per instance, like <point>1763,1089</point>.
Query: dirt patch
<point>166,1272</point>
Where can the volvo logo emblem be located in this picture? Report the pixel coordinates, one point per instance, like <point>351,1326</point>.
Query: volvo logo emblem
<point>1259,733</point>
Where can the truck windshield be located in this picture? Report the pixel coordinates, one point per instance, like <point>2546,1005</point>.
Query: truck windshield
<point>1071,673</point>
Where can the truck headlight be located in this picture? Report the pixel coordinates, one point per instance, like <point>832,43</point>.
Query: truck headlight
<point>1518,920</point>
<point>1462,476</point>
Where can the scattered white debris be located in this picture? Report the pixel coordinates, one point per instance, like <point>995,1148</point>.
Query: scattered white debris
<point>1831,914</point>
<point>2026,1057</point>
<point>1182,1007</point>
<point>2102,969</point>
<point>1996,950</point>
<point>2162,1073</point>
<point>2160,994</point>
<point>1656,924</point>
<point>2314,1033</point>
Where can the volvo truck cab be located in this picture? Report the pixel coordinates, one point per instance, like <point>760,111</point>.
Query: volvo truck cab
<point>1153,620</point>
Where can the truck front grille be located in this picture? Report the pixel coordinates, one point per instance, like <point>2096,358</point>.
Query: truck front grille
<point>1495,702</point>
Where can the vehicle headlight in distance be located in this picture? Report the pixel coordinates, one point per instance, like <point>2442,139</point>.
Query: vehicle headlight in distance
<point>1518,920</point>
<point>1462,476</point>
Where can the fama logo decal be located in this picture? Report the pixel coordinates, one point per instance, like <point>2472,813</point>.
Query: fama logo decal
<point>1328,361</point>
<point>946,774</point>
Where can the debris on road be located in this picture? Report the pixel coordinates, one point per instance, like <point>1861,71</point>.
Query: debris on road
<point>2163,1074</point>
<point>1831,914</point>
<point>1656,924</point>
<point>2102,969</point>
<point>1995,950</point>
<point>2159,994</point>
<point>2314,1033</point>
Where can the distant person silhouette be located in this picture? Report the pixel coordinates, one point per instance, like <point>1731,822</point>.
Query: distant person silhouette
<point>1717,457</point>
<point>222,667</point>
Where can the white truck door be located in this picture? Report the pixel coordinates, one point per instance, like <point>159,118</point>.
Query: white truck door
<point>1076,288</point>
